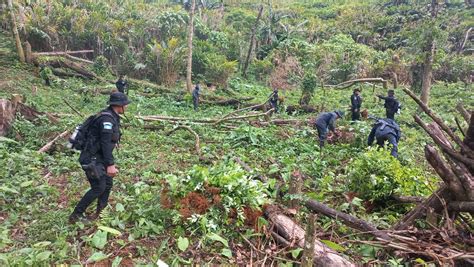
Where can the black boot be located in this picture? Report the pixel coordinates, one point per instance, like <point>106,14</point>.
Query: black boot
<point>74,218</point>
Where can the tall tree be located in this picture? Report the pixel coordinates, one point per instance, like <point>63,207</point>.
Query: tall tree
<point>252,41</point>
<point>19,48</point>
<point>429,51</point>
<point>189,83</point>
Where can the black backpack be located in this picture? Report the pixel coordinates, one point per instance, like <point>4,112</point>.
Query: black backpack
<point>82,135</point>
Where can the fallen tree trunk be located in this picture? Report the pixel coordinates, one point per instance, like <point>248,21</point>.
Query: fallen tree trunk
<point>289,230</point>
<point>61,53</point>
<point>347,219</point>
<point>347,84</point>
<point>50,144</point>
<point>61,73</point>
<point>465,114</point>
<point>247,168</point>
<point>302,108</point>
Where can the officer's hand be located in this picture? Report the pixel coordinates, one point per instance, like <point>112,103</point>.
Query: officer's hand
<point>112,171</point>
<point>355,110</point>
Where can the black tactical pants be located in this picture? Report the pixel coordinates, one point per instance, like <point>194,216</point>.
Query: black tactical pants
<point>390,114</point>
<point>355,114</point>
<point>195,103</point>
<point>100,190</point>
<point>392,141</point>
<point>322,133</point>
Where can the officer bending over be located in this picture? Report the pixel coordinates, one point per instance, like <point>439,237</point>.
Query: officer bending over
<point>326,121</point>
<point>386,130</point>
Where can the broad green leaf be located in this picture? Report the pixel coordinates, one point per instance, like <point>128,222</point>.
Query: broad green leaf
<point>97,256</point>
<point>418,260</point>
<point>226,252</point>
<point>119,207</point>
<point>7,189</point>
<point>216,237</point>
<point>99,240</point>
<point>183,243</point>
<point>117,261</point>
<point>333,245</point>
<point>43,256</point>
<point>296,252</point>
<point>42,244</point>
<point>26,183</point>
<point>109,230</point>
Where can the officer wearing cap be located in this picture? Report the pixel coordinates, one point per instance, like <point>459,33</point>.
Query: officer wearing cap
<point>97,159</point>
<point>391,104</point>
<point>356,103</point>
<point>326,121</point>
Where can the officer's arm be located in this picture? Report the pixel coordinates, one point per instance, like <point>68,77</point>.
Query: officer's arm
<point>382,97</point>
<point>353,104</point>
<point>331,124</point>
<point>106,130</point>
<point>370,141</point>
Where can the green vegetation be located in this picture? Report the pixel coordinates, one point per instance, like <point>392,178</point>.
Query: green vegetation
<point>170,204</point>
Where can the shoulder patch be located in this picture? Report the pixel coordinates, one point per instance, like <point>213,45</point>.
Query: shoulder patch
<point>107,125</point>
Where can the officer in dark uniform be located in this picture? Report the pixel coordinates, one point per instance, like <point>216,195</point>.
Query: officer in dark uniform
<point>391,104</point>
<point>326,121</point>
<point>273,99</point>
<point>196,94</point>
<point>97,159</point>
<point>386,130</point>
<point>356,103</point>
<point>122,85</point>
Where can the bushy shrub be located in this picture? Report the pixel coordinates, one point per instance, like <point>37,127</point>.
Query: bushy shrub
<point>375,175</point>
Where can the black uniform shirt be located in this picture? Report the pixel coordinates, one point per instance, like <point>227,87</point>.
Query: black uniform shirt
<point>106,134</point>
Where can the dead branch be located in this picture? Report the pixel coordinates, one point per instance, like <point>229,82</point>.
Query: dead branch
<point>441,140</point>
<point>289,230</point>
<point>78,59</point>
<point>240,110</point>
<point>347,84</point>
<point>50,144</point>
<point>73,109</point>
<point>247,168</point>
<point>465,114</point>
<point>347,219</point>
<point>196,136</point>
<point>439,121</point>
<point>432,202</point>
<point>466,37</point>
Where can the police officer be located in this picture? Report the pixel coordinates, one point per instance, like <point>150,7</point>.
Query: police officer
<point>273,99</point>
<point>356,103</point>
<point>122,84</point>
<point>196,94</point>
<point>386,130</point>
<point>326,121</point>
<point>391,104</point>
<point>97,159</point>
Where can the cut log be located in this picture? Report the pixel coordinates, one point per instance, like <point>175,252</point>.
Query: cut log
<point>347,219</point>
<point>7,115</point>
<point>288,229</point>
<point>445,172</point>
<point>302,109</point>
<point>61,73</point>
<point>407,199</point>
<point>461,206</point>
<point>50,144</point>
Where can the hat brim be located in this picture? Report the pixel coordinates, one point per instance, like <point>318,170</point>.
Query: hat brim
<point>121,103</point>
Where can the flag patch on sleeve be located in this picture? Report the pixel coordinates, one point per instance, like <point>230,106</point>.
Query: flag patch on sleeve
<point>108,126</point>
